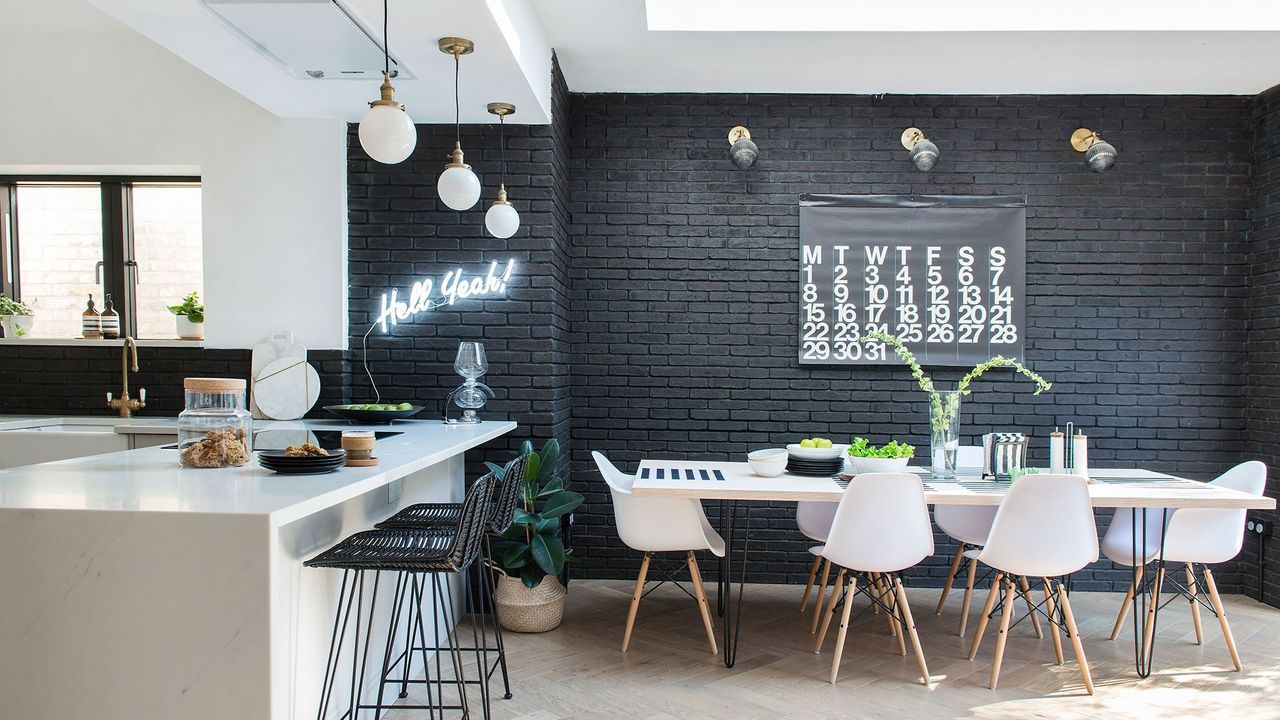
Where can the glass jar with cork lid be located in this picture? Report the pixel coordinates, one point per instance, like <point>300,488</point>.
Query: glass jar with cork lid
<point>215,429</point>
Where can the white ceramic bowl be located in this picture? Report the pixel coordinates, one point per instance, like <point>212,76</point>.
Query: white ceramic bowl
<point>816,453</point>
<point>768,463</point>
<point>879,465</point>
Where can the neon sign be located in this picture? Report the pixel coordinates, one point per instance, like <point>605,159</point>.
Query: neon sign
<point>425,295</point>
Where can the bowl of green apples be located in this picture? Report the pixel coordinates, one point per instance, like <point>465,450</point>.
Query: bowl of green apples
<point>375,412</point>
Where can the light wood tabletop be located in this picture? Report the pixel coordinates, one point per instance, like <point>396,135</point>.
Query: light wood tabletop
<point>1120,487</point>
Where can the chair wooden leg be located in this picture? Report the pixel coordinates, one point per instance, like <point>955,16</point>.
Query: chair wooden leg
<point>696,575</point>
<point>910,625</point>
<point>808,585</point>
<point>986,613</point>
<point>831,609</point>
<point>1149,625</point>
<point>1031,607</point>
<point>1051,608</point>
<point>873,581</point>
<point>951,577</point>
<point>1195,606</point>
<point>884,593</point>
<point>635,601</point>
<point>1212,587</point>
<point>844,622</point>
<point>968,594</point>
<point>1074,634</point>
<point>1010,595</point>
<point>822,589</point>
<point>1128,600</point>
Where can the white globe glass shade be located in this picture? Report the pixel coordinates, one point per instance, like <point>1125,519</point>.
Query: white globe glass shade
<point>459,188</point>
<point>387,134</point>
<point>502,220</point>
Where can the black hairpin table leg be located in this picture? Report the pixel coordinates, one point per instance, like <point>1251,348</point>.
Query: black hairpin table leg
<point>729,608</point>
<point>1146,592</point>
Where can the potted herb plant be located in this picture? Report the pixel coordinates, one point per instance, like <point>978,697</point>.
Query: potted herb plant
<point>531,555</point>
<point>890,457</point>
<point>190,317</point>
<point>17,317</point>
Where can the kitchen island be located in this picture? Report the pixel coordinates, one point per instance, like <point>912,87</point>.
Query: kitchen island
<point>133,588</point>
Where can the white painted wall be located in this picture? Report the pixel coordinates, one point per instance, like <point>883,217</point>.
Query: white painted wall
<point>80,92</point>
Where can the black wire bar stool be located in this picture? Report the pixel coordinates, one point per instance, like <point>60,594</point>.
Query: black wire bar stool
<point>424,516</point>
<point>419,558</point>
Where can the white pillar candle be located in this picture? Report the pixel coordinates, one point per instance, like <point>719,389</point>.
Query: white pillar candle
<point>1057,445</point>
<point>1080,455</point>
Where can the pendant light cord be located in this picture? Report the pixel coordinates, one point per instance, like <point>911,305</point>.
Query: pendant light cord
<point>386,49</point>
<point>457,107</point>
<point>502,144</point>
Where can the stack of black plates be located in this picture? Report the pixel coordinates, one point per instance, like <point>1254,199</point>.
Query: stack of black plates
<point>815,468</point>
<point>277,461</point>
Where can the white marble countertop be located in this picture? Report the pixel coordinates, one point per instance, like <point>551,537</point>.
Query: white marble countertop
<point>152,480</point>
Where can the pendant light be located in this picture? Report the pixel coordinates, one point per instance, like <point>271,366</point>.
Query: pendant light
<point>502,220</point>
<point>458,187</point>
<point>386,131</point>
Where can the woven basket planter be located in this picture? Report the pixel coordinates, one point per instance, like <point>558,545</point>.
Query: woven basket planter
<point>529,611</point>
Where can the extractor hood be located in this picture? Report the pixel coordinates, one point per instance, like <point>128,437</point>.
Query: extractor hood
<point>309,39</point>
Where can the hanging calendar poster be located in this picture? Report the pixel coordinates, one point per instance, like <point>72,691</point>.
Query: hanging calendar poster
<point>945,274</point>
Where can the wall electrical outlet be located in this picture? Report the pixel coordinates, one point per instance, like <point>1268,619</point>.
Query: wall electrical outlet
<point>1257,526</point>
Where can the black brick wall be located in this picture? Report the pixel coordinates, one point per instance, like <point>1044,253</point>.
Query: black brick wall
<point>684,283</point>
<point>1263,410</point>
<point>400,232</point>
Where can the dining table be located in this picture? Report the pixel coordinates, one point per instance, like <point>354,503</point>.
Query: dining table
<point>737,488</point>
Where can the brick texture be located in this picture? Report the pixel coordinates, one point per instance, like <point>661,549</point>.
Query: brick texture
<point>1263,409</point>
<point>684,283</point>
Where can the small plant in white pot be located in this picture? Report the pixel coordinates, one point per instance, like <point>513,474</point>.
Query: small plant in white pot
<point>190,317</point>
<point>890,457</point>
<point>17,317</point>
<point>531,554</point>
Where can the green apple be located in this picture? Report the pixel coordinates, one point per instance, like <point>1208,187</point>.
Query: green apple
<point>822,442</point>
<point>405,406</point>
<point>807,443</point>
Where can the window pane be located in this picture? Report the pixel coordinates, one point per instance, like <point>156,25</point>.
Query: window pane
<point>166,245</point>
<point>60,244</point>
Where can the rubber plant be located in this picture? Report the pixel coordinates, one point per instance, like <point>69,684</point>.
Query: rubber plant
<point>532,548</point>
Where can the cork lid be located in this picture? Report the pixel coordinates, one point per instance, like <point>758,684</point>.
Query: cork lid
<point>214,385</point>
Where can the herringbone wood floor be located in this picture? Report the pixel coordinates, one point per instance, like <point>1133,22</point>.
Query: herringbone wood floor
<point>577,671</point>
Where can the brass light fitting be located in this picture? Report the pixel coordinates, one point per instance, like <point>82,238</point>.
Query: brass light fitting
<point>456,157</point>
<point>924,154</point>
<point>388,94</point>
<point>456,46</point>
<point>1099,154</point>
<point>502,110</point>
<point>742,150</point>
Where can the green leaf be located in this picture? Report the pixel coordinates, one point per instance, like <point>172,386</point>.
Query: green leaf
<point>497,470</point>
<point>531,469</point>
<point>560,503</point>
<point>548,552</point>
<point>553,486</point>
<point>547,525</point>
<point>549,456</point>
<point>526,448</point>
<point>531,575</point>
<point>516,556</point>
<point>526,518</point>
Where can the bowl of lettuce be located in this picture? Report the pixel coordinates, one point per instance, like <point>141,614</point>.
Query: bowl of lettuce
<point>893,456</point>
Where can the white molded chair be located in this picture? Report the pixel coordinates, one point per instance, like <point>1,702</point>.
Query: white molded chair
<point>881,527</point>
<point>814,520</point>
<point>1192,536</point>
<point>1043,529</point>
<point>660,525</point>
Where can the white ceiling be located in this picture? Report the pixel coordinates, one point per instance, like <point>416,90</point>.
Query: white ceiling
<point>1010,47</point>
<point>741,46</point>
<point>511,63</point>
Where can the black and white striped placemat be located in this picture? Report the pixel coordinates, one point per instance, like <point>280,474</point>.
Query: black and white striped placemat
<point>682,474</point>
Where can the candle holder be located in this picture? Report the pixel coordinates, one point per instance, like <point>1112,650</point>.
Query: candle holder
<point>471,395</point>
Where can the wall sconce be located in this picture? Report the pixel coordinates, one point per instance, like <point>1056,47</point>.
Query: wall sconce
<point>742,151</point>
<point>1099,155</point>
<point>924,154</point>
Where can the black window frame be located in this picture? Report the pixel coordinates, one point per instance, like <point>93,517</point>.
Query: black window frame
<point>119,265</point>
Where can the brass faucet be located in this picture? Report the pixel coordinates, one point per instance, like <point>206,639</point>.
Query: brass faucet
<point>125,404</point>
